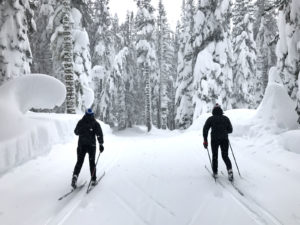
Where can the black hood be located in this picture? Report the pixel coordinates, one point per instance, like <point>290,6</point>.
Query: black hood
<point>88,117</point>
<point>217,111</point>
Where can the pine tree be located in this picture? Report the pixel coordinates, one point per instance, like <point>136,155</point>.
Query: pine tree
<point>101,42</point>
<point>288,56</point>
<point>103,54</point>
<point>265,35</point>
<point>212,57</point>
<point>78,58</point>
<point>164,58</point>
<point>16,22</point>
<point>40,40</point>
<point>247,85</point>
<point>172,79</point>
<point>184,89</point>
<point>146,57</point>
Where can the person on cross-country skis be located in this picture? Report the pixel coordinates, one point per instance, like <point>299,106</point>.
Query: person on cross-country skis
<point>87,129</point>
<point>220,128</point>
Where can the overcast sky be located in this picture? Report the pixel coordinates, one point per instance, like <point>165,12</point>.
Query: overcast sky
<point>173,8</point>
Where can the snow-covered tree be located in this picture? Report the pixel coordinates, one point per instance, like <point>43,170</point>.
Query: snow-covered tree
<point>165,52</point>
<point>16,22</point>
<point>288,53</point>
<point>172,79</point>
<point>77,55</point>
<point>103,54</point>
<point>213,57</point>
<point>40,40</point>
<point>101,41</point>
<point>146,56</point>
<point>184,89</point>
<point>247,86</point>
<point>120,87</point>
<point>265,36</point>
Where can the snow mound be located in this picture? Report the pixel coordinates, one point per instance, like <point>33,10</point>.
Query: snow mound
<point>291,140</point>
<point>23,93</point>
<point>277,107</point>
<point>21,137</point>
<point>31,91</point>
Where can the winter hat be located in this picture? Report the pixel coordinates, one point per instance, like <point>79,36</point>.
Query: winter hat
<point>89,112</point>
<point>217,110</point>
<point>217,105</point>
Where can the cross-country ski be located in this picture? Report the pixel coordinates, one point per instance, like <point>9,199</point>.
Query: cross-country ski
<point>73,190</point>
<point>92,186</point>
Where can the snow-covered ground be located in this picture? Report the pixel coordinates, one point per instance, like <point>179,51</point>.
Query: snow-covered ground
<point>156,178</point>
<point>159,178</point>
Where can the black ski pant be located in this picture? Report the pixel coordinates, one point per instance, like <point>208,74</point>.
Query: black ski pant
<point>224,144</point>
<point>81,152</point>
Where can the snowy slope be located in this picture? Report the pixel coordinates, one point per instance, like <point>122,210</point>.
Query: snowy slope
<point>158,178</point>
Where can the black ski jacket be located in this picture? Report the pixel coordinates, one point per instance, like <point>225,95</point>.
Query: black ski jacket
<point>220,125</point>
<point>87,128</point>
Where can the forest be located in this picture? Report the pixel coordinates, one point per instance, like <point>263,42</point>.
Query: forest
<point>140,71</point>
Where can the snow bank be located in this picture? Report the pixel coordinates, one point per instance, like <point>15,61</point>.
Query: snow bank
<point>291,140</point>
<point>39,133</point>
<point>23,93</point>
<point>277,107</point>
<point>21,137</point>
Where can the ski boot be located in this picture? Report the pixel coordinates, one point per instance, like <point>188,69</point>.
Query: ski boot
<point>230,175</point>
<point>215,175</point>
<point>94,182</point>
<point>74,181</point>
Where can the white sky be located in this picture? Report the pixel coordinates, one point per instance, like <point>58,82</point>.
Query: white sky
<point>173,8</point>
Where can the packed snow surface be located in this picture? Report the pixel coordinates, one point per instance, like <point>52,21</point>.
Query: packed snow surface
<point>159,178</point>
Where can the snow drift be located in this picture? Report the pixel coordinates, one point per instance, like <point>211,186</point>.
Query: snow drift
<point>21,136</point>
<point>23,93</point>
<point>277,107</point>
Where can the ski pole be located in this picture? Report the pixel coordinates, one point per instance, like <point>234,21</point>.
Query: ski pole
<point>209,157</point>
<point>234,159</point>
<point>210,162</point>
<point>94,169</point>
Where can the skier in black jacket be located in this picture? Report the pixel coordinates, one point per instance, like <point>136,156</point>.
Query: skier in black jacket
<point>220,128</point>
<point>87,128</point>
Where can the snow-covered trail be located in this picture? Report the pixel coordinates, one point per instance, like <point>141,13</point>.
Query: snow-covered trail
<point>156,179</point>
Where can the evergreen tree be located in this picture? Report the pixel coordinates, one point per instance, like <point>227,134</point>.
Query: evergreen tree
<point>172,79</point>
<point>16,22</point>
<point>40,40</point>
<point>164,58</point>
<point>288,56</point>
<point>265,35</point>
<point>212,57</point>
<point>146,57</point>
<point>76,58</point>
<point>103,54</point>
<point>247,87</point>
<point>184,89</point>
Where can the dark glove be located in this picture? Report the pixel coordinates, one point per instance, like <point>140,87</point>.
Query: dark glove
<point>101,148</point>
<point>205,144</point>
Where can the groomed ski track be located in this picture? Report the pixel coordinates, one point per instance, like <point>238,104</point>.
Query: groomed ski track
<point>151,179</point>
